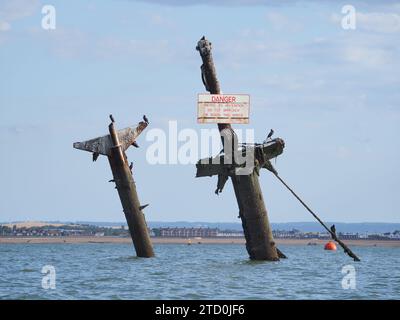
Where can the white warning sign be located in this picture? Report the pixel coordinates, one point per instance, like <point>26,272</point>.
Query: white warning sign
<point>223,108</point>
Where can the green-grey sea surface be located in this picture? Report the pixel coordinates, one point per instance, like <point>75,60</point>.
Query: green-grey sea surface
<point>198,271</point>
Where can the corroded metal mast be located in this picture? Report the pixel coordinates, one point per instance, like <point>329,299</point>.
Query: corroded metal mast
<point>113,146</point>
<point>259,240</point>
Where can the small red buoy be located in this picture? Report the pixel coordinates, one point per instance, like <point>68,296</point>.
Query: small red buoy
<point>330,246</point>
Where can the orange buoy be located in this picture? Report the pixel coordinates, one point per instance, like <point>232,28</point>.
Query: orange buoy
<point>330,246</point>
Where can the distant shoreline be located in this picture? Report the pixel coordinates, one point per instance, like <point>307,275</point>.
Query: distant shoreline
<point>193,241</point>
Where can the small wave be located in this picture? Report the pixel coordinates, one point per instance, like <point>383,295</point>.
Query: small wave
<point>125,258</point>
<point>105,279</point>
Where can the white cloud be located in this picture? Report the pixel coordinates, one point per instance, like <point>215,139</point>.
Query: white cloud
<point>155,50</point>
<point>16,9</point>
<point>277,20</point>
<point>161,20</point>
<point>77,44</point>
<point>4,26</point>
<point>379,22</point>
<point>12,10</point>
<point>252,33</point>
<point>281,22</point>
<point>271,3</point>
<point>374,21</point>
<point>248,51</point>
<point>367,55</point>
<point>343,153</point>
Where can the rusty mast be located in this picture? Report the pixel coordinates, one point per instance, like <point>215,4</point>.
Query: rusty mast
<point>113,146</point>
<point>252,211</point>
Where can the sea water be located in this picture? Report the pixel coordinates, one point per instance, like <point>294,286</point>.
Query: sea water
<point>198,271</point>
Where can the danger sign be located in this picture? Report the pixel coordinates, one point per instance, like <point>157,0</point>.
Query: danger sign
<point>223,108</point>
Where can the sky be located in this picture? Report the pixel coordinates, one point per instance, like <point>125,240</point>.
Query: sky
<point>331,93</point>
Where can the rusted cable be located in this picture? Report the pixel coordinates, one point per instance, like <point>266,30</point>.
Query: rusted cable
<point>333,235</point>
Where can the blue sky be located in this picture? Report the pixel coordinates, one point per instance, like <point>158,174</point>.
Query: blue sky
<point>332,95</point>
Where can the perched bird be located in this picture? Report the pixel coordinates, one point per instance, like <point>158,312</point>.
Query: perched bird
<point>95,156</point>
<point>145,119</point>
<point>270,134</point>
<point>333,229</point>
<point>112,118</point>
<point>134,143</point>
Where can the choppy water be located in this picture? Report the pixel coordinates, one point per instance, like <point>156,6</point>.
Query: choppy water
<point>110,271</point>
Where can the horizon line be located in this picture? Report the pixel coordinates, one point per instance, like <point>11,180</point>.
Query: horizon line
<point>197,221</point>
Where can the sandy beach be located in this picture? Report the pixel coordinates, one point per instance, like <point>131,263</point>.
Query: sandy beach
<point>192,241</point>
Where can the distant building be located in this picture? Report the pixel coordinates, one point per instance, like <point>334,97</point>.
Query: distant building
<point>284,234</point>
<point>230,234</point>
<point>188,232</point>
<point>348,236</point>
